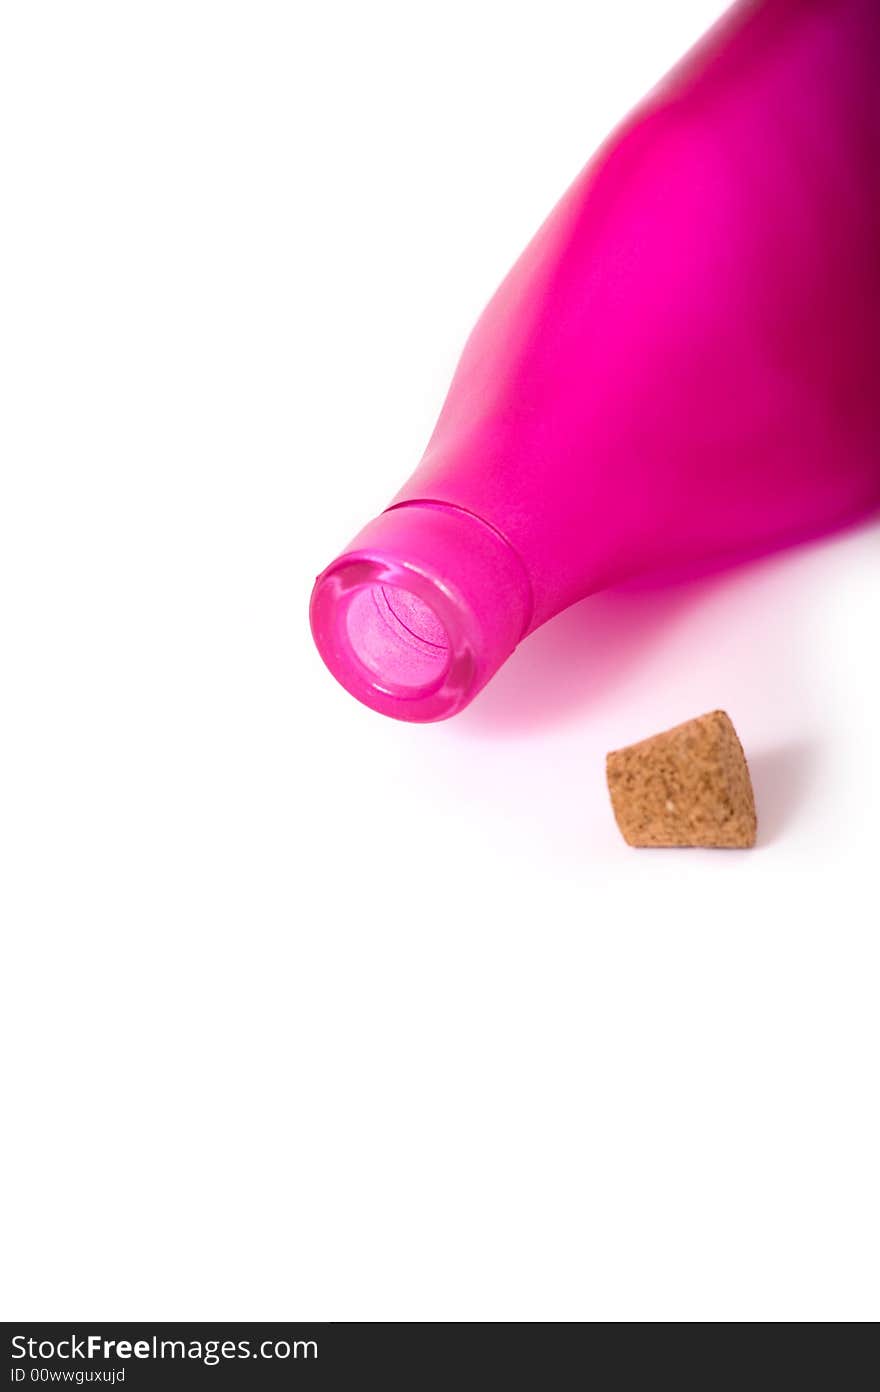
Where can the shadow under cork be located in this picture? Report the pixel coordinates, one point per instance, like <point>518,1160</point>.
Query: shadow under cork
<point>781,780</point>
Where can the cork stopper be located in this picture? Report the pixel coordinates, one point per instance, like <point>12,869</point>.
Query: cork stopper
<point>689,786</point>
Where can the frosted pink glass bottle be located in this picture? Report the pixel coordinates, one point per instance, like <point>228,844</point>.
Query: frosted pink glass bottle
<point>683,364</point>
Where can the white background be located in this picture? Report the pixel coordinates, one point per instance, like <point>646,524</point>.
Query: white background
<point>307,1013</point>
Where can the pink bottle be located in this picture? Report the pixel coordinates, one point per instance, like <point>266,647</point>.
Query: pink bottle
<point>683,365</point>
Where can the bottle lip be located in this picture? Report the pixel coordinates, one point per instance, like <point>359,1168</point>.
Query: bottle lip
<point>416,615</point>
<point>438,686</point>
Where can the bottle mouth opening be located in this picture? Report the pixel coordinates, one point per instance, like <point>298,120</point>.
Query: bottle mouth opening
<point>398,637</point>
<point>394,637</point>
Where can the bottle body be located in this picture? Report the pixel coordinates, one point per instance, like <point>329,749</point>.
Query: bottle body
<point>682,363</point>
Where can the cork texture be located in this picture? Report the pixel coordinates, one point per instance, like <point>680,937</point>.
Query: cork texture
<point>689,786</point>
